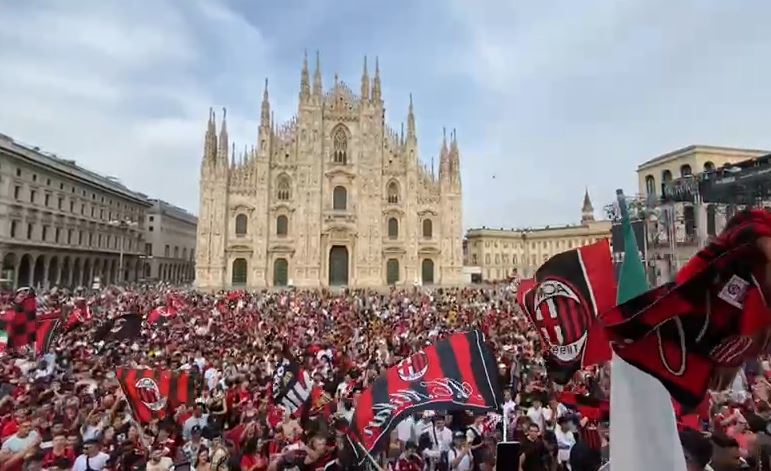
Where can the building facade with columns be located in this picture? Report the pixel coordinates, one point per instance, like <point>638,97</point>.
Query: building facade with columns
<point>679,223</point>
<point>503,253</point>
<point>169,250</point>
<point>333,197</point>
<point>58,222</point>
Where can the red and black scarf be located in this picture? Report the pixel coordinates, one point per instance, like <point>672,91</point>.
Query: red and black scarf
<point>714,315</point>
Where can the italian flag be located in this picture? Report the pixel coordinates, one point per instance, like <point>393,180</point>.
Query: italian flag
<point>643,429</point>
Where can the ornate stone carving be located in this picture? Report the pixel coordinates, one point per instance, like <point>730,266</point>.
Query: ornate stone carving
<point>374,154</point>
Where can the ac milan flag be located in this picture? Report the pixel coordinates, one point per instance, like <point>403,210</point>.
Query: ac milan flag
<point>46,332</point>
<point>19,322</point>
<point>563,303</point>
<point>161,314</point>
<point>292,385</point>
<point>713,316</point>
<point>457,373</point>
<point>79,314</point>
<point>589,407</point>
<point>125,327</point>
<point>152,394</point>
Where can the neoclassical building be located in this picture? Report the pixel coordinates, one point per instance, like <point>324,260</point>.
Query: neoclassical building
<point>63,225</point>
<point>503,253</point>
<point>170,235</point>
<point>332,197</point>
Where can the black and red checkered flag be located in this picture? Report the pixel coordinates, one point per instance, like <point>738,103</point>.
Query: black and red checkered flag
<point>19,322</point>
<point>152,394</point>
<point>563,302</point>
<point>711,318</point>
<point>457,373</point>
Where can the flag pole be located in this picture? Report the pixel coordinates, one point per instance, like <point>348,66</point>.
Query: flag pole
<point>643,429</point>
<point>368,455</point>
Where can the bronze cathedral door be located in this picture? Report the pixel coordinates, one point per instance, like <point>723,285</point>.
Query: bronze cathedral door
<point>338,266</point>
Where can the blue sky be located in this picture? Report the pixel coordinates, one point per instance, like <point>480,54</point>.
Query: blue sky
<point>547,97</point>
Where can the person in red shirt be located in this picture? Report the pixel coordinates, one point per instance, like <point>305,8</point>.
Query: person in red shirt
<point>10,427</point>
<point>252,460</point>
<point>409,460</point>
<point>60,456</point>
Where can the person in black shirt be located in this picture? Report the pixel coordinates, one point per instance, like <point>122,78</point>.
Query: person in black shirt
<point>533,450</point>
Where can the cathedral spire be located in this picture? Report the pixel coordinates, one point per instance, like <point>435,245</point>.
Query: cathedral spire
<point>376,82</point>
<point>223,140</point>
<point>210,141</point>
<point>317,77</point>
<point>305,85</point>
<point>587,210</point>
<point>454,155</point>
<point>444,157</point>
<point>365,82</point>
<point>410,122</point>
<point>265,114</point>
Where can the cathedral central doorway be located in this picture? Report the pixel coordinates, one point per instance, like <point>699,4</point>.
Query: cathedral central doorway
<point>280,272</point>
<point>338,266</point>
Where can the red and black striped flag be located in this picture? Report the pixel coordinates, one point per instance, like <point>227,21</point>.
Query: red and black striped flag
<point>711,318</point>
<point>458,372</point>
<point>588,406</point>
<point>563,302</point>
<point>154,393</point>
<point>47,330</point>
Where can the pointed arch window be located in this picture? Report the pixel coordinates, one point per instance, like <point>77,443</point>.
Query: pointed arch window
<point>393,193</point>
<point>283,188</point>
<point>340,146</point>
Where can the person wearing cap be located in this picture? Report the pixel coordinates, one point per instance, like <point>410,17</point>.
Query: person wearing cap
<point>189,452</point>
<point>459,455</point>
<point>198,419</point>
<point>92,458</point>
<point>565,438</point>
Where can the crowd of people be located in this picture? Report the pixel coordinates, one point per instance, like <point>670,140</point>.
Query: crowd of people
<point>64,409</point>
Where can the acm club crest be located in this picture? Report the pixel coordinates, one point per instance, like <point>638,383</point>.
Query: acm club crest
<point>150,394</point>
<point>413,368</point>
<point>562,318</point>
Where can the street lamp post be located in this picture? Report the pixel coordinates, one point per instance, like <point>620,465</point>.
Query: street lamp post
<point>124,226</point>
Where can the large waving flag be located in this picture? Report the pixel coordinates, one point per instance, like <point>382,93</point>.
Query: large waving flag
<point>643,431</point>
<point>292,385</point>
<point>458,372</point>
<point>155,394</point>
<point>710,320</point>
<point>563,302</point>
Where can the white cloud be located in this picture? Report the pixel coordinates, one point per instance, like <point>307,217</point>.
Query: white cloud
<point>125,90</point>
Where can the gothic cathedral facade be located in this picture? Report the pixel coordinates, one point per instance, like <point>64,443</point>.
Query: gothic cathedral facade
<point>334,197</point>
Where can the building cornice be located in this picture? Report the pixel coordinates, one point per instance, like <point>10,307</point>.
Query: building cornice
<point>69,169</point>
<point>702,149</point>
<point>595,227</point>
